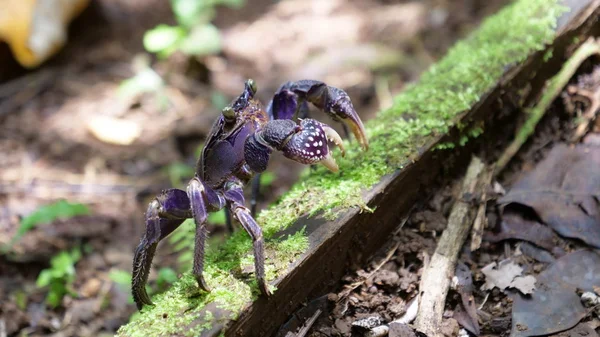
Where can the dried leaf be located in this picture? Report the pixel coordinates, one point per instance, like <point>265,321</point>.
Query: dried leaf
<point>564,191</point>
<point>466,311</point>
<point>555,305</point>
<point>525,284</point>
<point>507,275</point>
<point>514,226</point>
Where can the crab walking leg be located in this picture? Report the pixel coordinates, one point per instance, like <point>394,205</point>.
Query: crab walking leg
<point>243,215</point>
<point>255,194</point>
<point>235,198</point>
<point>202,201</point>
<point>228,221</point>
<point>165,213</point>
<point>289,98</point>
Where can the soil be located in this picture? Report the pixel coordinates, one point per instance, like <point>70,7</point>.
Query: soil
<point>48,152</point>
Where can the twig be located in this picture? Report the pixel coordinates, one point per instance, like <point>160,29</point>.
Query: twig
<point>309,324</point>
<point>351,287</point>
<point>481,219</point>
<point>410,314</point>
<point>436,277</point>
<point>378,331</point>
<point>555,86</point>
<point>484,300</point>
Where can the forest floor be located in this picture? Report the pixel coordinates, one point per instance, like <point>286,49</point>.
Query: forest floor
<point>51,149</point>
<point>536,270</point>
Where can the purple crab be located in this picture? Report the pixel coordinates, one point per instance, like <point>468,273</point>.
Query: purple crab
<point>238,148</point>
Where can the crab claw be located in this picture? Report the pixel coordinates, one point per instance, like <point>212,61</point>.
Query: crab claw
<point>308,145</point>
<point>343,110</point>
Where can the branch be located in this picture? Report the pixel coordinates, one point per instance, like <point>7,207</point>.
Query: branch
<point>437,275</point>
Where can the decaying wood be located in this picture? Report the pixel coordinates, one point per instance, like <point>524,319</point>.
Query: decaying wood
<point>436,278</point>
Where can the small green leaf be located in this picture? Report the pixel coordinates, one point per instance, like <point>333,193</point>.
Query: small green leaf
<point>163,38</point>
<point>146,80</point>
<point>193,12</point>
<point>60,276</point>
<point>63,264</point>
<point>44,278</point>
<point>267,178</point>
<point>166,276</point>
<point>202,40</point>
<point>217,218</point>
<point>178,172</point>
<point>120,277</point>
<point>46,214</point>
<point>56,293</point>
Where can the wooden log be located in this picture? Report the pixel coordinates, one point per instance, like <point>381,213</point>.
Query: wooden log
<point>339,220</point>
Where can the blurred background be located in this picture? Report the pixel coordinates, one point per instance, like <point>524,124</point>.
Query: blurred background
<point>104,103</point>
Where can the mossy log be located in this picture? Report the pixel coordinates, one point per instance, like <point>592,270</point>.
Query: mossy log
<point>328,222</point>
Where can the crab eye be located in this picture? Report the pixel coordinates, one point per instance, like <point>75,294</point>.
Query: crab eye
<point>252,85</point>
<point>228,113</point>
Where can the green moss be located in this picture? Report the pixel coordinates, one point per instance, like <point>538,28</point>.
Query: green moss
<point>208,320</point>
<point>548,54</point>
<point>397,135</point>
<point>445,146</point>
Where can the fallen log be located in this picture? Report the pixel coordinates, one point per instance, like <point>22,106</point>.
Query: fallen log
<point>328,222</point>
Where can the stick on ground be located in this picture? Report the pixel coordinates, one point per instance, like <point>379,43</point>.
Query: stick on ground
<point>438,274</point>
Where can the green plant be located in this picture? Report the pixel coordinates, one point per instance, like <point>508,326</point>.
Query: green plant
<point>48,213</point>
<point>120,277</point>
<point>193,34</point>
<point>178,172</point>
<point>60,276</point>
<point>182,241</point>
<point>166,277</point>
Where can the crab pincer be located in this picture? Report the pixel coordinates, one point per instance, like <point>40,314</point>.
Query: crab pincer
<point>306,142</point>
<point>340,108</point>
<point>291,98</point>
<point>309,144</point>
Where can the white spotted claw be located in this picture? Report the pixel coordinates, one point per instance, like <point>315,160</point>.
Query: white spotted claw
<point>335,138</point>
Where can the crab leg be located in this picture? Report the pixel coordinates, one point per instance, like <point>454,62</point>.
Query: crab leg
<point>235,198</point>
<point>165,213</point>
<point>202,201</point>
